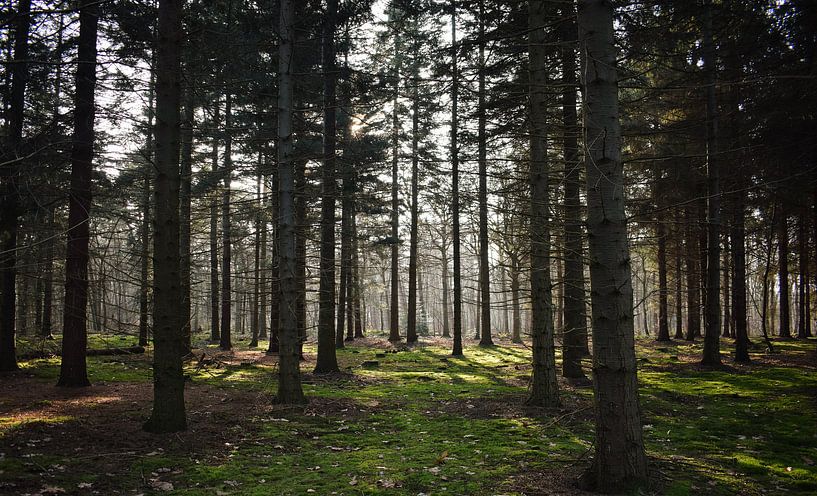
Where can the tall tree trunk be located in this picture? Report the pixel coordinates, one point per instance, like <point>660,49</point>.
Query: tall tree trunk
<point>327,358</point>
<point>168,413</point>
<point>262,311</point>
<point>289,381</point>
<point>727,290</point>
<point>484,267</point>
<point>738,247</point>
<point>711,351</point>
<point>226,343</point>
<point>619,448</point>
<point>9,208</point>
<point>575,310</point>
<point>783,272</point>
<point>544,389</point>
<point>73,367</point>
<point>394,314</point>
<point>411,311</point>
<point>185,198</point>
<point>215,331</point>
<point>256,290</point>
<point>455,186</point>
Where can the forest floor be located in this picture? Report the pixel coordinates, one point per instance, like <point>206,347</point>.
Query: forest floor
<point>418,422</point>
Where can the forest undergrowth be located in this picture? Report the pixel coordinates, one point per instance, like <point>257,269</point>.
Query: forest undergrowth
<point>404,421</point>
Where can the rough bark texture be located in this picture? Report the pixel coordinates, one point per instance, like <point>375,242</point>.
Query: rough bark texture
<point>289,375</point>
<point>327,359</point>
<point>73,367</point>
<point>619,460</point>
<point>679,301</point>
<point>712,351</point>
<point>575,310</point>
<point>544,389</point>
<point>168,413</point>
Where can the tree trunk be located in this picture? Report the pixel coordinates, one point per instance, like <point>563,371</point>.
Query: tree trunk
<point>411,311</point>
<point>663,310</point>
<point>215,331</point>
<point>679,303</point>
<point>619,448</point>
<point>73,367</point>
<point>168,413</point>
<point>484,264</point>
<point>394,314</point>
<point>693,290</point>
<point>516,332</point>
<point>803,280</point>
<point>446,301</point>
<point>184,216</point>
<point>355,275</point>
<point>9,208</point>
<point>544,389</point>
<point>327,358</point>
<point>256,290</point>
<point>289,382</point>
<point>727,290</point>
<point>712,351</point>
<point>144,288</point>
<point>783,272</point>
<point>455,186</point>
<point>226,343</point>
<point>48,276</point>
<point>275,276</point>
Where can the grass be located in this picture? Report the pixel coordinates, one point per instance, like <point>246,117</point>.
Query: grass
<point>424,422</point>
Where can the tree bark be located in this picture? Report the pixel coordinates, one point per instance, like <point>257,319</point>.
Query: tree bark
<point>215,331</point>
<point>289,381</point>
<point>168,413</point>
<point>394,314</point>
<point>411,311</point>
<point>544,389</point>
<point>73,367</point>
<point>574,343</point>
<point>482,157</point>
<point>619,460</point>
<point>327,358</point>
